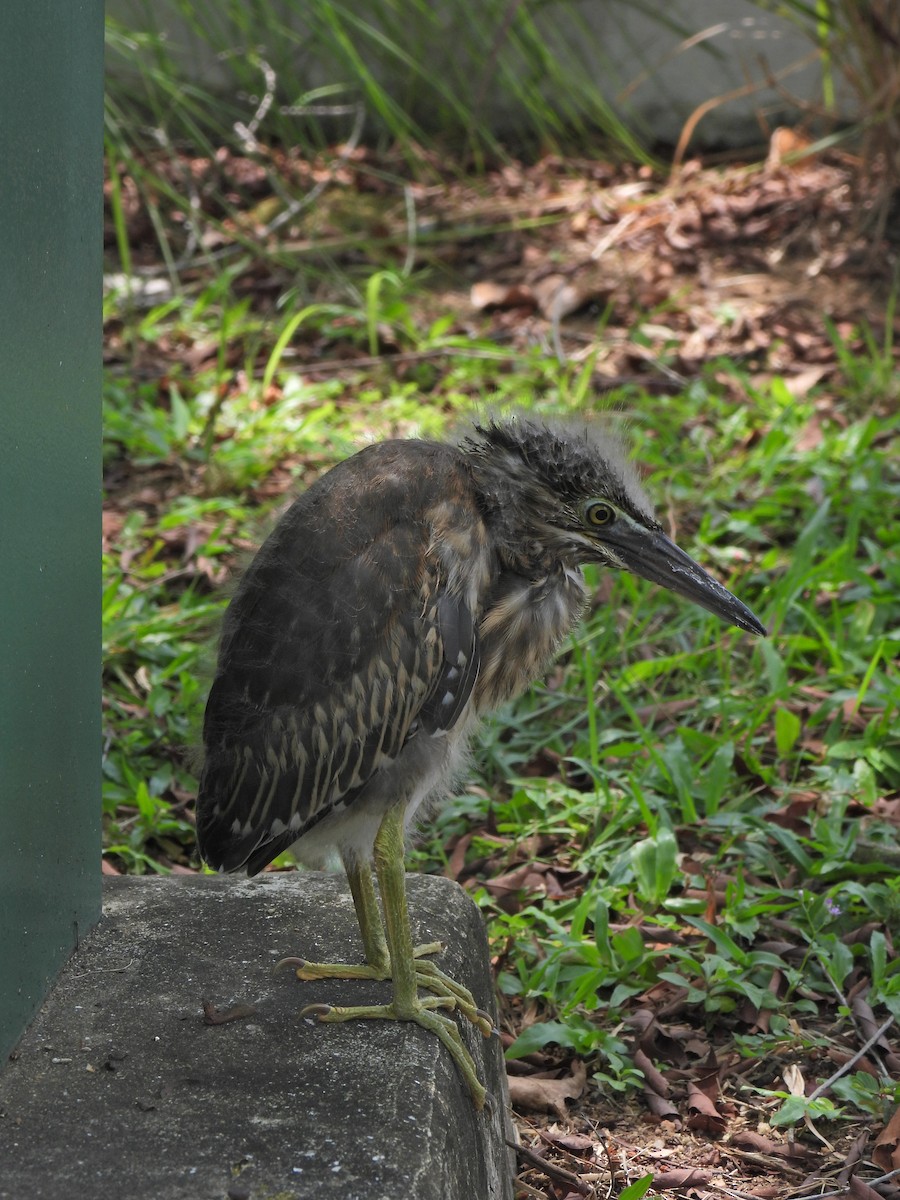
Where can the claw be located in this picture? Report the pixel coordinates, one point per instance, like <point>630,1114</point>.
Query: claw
<point>485,1018</point>
<point>316,1010</point>
<point>298,963</point>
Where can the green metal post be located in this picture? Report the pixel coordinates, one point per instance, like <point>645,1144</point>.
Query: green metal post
<point>51,140</point>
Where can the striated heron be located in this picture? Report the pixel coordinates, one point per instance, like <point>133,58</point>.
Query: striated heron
<point>415,587</point>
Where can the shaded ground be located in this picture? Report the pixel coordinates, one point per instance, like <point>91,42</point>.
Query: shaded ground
<point>653,285</point>
<point>740,263</point>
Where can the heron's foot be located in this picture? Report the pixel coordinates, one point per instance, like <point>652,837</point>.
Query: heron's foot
<point>424,1014</point>
<point>311,970</point>
<point>449,993</point>
<point>453,996</point>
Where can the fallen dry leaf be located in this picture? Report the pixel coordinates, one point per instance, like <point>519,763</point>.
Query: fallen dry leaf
<point>786,144</point>
<point>557,297</point>
<point>860,1190</point>
<point>746,1139</point>
<point>681,1177</point>
<point>888,809</point>
<point>798,386</point>
<point>793,1078</point>
<point>854,1155</point>
<point>541,1093</point>
<point>653,1079</point>
<point>578,1144</point>
<point>703,1115</point>
<point>886,1151</point>
<point>661,1108</point>
<point>487,295</point>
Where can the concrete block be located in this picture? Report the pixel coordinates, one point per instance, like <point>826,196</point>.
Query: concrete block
<point>119,1089</point>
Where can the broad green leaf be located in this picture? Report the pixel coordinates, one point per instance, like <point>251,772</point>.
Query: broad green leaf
<point>787,730</point>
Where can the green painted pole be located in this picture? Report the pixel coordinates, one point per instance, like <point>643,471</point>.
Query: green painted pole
<point>51,139</point>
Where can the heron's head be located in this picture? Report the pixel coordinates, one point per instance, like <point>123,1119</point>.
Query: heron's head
<point>573,496</point>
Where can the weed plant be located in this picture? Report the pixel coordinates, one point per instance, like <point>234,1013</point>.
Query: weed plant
<point>715,799</point>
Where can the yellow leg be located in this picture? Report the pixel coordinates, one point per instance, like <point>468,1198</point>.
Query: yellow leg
<point>362,889</point>
<point>390,951</point>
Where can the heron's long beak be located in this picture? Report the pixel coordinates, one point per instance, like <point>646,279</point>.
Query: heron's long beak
<point>658,559</point>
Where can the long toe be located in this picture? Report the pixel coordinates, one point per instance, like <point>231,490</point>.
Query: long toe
<point>434,980</point>
<point>422,1014</point>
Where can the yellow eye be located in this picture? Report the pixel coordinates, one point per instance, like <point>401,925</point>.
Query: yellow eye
<point>599,513</point>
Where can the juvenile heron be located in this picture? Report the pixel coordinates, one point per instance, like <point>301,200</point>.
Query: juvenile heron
<point>414,588</point>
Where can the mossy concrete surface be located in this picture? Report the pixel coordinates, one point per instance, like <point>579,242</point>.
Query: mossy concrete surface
<point>120,1089</point>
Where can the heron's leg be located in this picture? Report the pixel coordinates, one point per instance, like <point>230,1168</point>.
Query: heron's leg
<point>389,865</point>
<point>368,916</point>
<point>371,928</point>
<point>362,889</point>
<point>406,1004</point>
<point>378,958</point>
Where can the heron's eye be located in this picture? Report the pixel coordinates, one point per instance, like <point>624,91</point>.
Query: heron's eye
<point>598,513</point>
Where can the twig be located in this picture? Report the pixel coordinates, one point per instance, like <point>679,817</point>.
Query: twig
<point>879,1033</point>
<point>700,112</point>
<point>409,202</point>
<point>366,361</point>
<point>247,133</point>
<point>842,1191</point>
<point>557,1174</point>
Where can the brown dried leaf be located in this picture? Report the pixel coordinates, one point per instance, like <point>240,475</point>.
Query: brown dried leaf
<point>786,144</point>
<point>486,295</point>
<point>745,1139</point>
<point>798,386</point>
<point>457,859</point>
<point>556,297</point>
<point>794,1081</point>
<point>216,1016</point>
<point>537,1093</point>
<point>860,1190</point>
<point>661,1108</point>
<point>854,1155</point>
<point>529,877</point>
<point>886,1151</point>
<point>703,1115</point>
<point>653,1079</point>
<point>681,1177</point>
<point>578,1144</point>
<point>887,809</point>
<point>868,1022</point>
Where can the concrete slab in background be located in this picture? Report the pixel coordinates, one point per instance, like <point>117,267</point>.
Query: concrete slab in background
<point>654,67</point>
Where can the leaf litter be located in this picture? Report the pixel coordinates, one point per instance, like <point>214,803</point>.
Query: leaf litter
<point>728,264</point>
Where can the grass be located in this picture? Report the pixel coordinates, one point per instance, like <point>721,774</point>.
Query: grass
<point>306,79</point>
<point>682,837</point>
<point>679,817</point>
<point>706,803</point>
<point>662,813</point>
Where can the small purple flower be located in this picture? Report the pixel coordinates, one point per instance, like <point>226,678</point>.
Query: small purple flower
<point>833,907</point>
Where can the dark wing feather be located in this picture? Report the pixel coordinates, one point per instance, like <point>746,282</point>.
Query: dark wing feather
<point>459,666</point>
<point>342,642</point>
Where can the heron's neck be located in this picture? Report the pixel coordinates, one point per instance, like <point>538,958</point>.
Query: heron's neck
<point>522,626</point>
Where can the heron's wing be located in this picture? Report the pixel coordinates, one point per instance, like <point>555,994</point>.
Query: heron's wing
<point>457,670</point>
<point>342,643</point>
